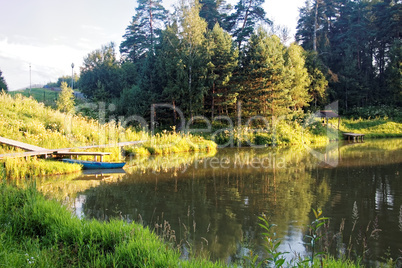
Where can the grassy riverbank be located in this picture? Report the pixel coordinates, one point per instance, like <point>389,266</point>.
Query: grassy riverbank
<point>24,119</point>
<point>40,233</point>
<point>36,232</point>
<point>373,128</point>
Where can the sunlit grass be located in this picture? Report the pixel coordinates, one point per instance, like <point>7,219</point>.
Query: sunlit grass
<point>372,128</point>
<point>47,96</point>
<point>16,168</point>
<point>42,233</point>
<point>24,119</point>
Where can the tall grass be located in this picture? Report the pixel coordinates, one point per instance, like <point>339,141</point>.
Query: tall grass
<point>39,232</point>
<point>16,168</point>
<point>372,128</point>
<point>46,96</point>
<point>24,119</point>
<point>280,133</point>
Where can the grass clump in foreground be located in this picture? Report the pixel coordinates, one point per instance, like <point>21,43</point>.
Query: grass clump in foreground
<point>40,232</point>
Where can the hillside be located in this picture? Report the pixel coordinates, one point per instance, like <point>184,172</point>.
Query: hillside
<point>24,119</point>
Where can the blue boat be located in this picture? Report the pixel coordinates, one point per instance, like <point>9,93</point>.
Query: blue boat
<point>94,164</point>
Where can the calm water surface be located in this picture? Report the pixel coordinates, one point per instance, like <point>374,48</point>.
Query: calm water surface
<point>212,202</point>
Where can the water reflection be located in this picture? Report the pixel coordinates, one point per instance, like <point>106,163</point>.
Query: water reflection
<point>212,201</point>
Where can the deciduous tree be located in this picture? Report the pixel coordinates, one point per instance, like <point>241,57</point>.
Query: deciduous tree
<point>65,102</point>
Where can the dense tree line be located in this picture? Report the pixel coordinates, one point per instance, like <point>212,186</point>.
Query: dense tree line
<point>358,43</point>
<point>65,79</point>
<point>207,56</point>
<point>3,84</point>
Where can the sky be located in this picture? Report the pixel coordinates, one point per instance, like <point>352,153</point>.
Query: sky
<point>50,35</point>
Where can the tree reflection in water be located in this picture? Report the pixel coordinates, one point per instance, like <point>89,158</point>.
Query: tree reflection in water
<point>212,202</point>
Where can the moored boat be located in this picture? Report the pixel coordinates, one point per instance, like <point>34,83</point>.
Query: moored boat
<point>94,164</point>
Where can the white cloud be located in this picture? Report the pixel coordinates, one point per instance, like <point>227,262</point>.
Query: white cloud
<point>47,62</point>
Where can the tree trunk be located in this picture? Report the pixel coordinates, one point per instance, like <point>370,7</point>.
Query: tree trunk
<point>315,27</point>
<point>245,20</point>
<point>213,102</point>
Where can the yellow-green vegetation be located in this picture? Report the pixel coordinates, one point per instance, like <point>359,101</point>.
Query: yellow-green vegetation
<point>24,119</point>
<point>280,133</point>
<point>44,95</point>
<point>171,142</point>
<point>32,167</point>
<point>65,102</point>
<point>41,233</point>
<point>373,128</point>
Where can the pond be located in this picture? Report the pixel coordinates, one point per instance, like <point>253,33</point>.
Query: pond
<point>209,205</point>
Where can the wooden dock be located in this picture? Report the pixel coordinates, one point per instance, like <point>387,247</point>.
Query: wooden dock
<point>355,136</point>
<point>21,145</point>
<point>39,151</point>
<point>95,154</point>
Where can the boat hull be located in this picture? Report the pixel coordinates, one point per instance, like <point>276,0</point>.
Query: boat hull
<point>94,164</point>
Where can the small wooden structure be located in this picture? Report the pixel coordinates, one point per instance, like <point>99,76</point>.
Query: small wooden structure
<point>39,151</point>
<point>354,136</point>
<point>328,114</point>
<point>21,145</point>
<point>76,154</point>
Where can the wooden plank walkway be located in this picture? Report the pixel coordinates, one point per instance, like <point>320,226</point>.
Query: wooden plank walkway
<point>354,136</point>
<point>95,154</point>
<point>21,145</point>
<point>39,151</point>
<point>44,152</point>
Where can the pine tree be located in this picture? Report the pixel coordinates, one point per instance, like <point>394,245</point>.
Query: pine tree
<point>245,18</point>
<point>393,74</point>
<point>144,29</point>
<point>214,11</point>
<point>265,91</point>
<point>3,84</point>
<point>223,62</point>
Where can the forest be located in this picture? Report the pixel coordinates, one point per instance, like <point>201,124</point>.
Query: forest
<point>207,56</point>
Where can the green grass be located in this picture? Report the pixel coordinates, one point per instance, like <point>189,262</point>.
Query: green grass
<point>24,119</point>
<point>41,233</point>
<point>281,133</point>
<point>21,168</point>
<point>44,95</point>
<point>373,128</point>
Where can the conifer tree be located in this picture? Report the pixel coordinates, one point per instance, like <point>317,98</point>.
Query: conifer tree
<point>221,67</point>
<point>265,91</point>
<point>244,20</point>
<point>144,29</point>
<point>3,84</point>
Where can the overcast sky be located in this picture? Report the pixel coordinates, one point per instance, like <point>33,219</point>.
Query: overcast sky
<point>52,34</point>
